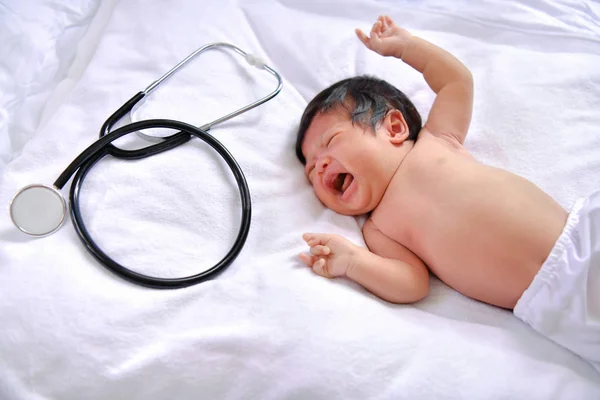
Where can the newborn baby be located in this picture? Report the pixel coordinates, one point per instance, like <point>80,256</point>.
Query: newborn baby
<point>485,232</point>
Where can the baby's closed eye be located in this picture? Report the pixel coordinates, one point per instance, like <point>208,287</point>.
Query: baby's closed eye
<point>332,137</point>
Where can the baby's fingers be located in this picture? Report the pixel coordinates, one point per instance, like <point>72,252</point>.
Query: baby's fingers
<point>313,239</point>
<point>363,38</point>
<point>377,28</point>
<point>308,260</point>
<point>320,250</point>
<point>319,267</point>
<point>317,264</point>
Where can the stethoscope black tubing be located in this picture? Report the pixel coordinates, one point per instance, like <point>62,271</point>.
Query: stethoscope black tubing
<point>99,149</point>
<point>166,144</point>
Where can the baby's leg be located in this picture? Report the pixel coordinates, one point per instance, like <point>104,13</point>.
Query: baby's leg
<point>563,301</point>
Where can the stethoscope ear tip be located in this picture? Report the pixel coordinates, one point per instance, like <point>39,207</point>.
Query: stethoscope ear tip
<point>38,210</point>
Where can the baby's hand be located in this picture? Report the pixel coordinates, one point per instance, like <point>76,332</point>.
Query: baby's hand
<point>331,255</point>
<point>387,38</point>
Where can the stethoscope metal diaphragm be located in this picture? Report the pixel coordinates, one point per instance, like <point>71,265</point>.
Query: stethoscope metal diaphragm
<point>38,210</point>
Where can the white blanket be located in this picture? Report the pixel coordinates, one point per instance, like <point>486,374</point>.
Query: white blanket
<point>268,328</point>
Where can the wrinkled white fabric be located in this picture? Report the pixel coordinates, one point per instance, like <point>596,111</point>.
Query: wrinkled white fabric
<point>38,43</point>
<point>269,328</point>
<point>563,301</point>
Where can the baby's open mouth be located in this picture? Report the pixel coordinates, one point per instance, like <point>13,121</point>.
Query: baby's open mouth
<point>342,181</point>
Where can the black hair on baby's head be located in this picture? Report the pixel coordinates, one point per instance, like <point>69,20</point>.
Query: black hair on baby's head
<point>368,99</point>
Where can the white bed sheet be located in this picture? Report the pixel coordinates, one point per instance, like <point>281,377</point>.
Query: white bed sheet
<point>268,327</point>
<point>38,45</point>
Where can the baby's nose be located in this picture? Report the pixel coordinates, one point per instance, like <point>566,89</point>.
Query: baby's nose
<point>322,164</point>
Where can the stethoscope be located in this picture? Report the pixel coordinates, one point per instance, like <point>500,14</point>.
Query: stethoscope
<point>39,210</point>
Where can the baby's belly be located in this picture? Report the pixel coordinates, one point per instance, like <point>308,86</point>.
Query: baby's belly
<point>486,236</point>
<point>493,273</point>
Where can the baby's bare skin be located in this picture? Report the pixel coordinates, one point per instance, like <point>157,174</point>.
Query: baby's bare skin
<point>483,231</point>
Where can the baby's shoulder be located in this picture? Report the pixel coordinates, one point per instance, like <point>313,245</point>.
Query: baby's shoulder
<point>430,139</point>
<point>431,149</point>
<point>431,157</point>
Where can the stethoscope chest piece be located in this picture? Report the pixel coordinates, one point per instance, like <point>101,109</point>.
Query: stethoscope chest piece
<point>38,210</point>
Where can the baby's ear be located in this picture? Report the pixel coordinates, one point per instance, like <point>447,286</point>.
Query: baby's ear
<point>396,127</point>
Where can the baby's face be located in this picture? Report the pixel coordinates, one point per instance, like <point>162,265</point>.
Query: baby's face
<point>348,167</point>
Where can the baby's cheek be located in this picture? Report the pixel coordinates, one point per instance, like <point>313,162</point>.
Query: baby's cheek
<point>323,197</point>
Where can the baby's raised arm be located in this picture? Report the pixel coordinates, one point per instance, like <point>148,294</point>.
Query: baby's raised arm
<point>446,76</point>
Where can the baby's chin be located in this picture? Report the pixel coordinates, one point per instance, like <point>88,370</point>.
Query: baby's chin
<point>364,202</point>
<point>352,210</point>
